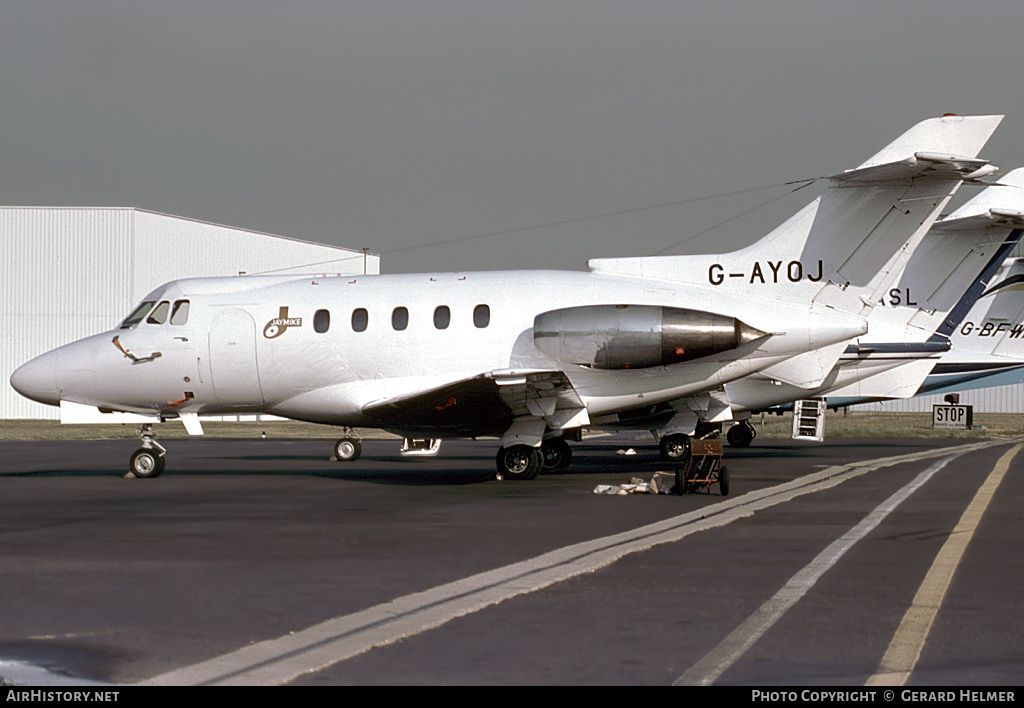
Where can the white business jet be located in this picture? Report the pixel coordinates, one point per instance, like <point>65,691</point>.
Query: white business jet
<point>528,356</point>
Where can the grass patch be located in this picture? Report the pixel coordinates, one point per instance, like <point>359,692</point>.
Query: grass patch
<point>894,425</point>
<point>53,430</point>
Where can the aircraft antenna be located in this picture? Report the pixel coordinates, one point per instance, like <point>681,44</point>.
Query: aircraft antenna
<point>802,182</point>
<point>806,183</point>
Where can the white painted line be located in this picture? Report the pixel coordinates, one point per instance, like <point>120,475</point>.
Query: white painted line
<point>22,673</point>
<point>281,660</point>
<point>709,668</point>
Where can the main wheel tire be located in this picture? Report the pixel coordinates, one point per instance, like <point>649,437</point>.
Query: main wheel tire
<point>146,463</point>
<point>675,447</point>
<point>519,462</point>
<point>557,454</point>
<point>740,435</point>
<point>348,449</point>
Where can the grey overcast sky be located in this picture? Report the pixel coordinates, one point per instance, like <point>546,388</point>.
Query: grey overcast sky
<point>398,123</point>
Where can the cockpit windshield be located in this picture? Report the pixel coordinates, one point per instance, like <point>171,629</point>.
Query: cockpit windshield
<point>159,313</point>
<point>137,314</point>
<point>179,315</point>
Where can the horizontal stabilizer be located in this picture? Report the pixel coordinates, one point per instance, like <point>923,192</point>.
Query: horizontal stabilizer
<point>999,206</point>
<point>922,165</point>
<point>943,139</point>
<point>992,219</point>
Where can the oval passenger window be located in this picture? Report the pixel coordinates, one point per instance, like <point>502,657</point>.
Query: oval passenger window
<point>442,317</point>
<point>481,316</point>
<point>400,318</point>
<point>321,321</point>
<point>360,318</point>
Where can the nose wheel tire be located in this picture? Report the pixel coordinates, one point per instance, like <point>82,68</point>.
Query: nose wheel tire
<point>348,449</point>
<point>146,463</point>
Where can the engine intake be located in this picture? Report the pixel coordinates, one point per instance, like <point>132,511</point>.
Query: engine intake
<point>636,336</point>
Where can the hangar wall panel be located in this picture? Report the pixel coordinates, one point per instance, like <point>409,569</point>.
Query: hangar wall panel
<point>48,295</point>
<point>70,272</point>
<point>996,399</point>
<point>167,246</point>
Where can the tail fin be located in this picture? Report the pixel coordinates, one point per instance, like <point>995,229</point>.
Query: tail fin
<point>937,298</point>
<point>846,248</point>
<point>996,322</point>
<point>960,256</point>
<point>1007,298</point>
<point>989,343</point>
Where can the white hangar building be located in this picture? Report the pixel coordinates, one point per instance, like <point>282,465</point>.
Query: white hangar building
<point>71,272</point>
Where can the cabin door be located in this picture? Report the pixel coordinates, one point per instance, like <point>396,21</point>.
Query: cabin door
<point>233,365</point>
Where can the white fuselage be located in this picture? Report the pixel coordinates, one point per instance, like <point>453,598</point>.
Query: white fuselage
<point>231,357</point>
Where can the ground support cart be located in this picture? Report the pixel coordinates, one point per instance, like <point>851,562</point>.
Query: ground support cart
<point>704,468</point>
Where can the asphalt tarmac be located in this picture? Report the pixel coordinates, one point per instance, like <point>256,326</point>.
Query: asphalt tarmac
<point>262,561</point>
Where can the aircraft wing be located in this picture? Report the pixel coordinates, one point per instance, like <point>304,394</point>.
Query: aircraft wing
<point>485,404</point>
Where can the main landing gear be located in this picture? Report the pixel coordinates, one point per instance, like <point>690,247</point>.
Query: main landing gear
<point>556,453</point>
<point>526,462</point>
<point>148,461</point>
<point>741,434</point>
<point>675,447</point>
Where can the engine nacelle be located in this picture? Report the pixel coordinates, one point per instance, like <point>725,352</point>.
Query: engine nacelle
<point>636,336</point>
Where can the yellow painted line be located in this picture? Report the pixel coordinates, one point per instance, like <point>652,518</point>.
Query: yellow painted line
<point>905,648</point>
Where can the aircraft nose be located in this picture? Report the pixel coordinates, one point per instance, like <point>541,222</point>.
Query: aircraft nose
<point>37,379</point>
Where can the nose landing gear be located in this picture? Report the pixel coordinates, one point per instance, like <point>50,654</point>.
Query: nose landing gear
<point>348,448</point>
<point>148,461</point>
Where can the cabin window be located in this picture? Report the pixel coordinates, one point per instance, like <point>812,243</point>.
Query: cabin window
<point>179,315</point>
<point>360,318</point>
<point>481,316</point>
<point>400,318</point>
<point>442,317</point>
<point>159,313</point>
<point>137,314</point>
<point>321,321</point>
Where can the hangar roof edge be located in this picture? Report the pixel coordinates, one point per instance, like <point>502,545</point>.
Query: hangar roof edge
<point>189,218</point>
